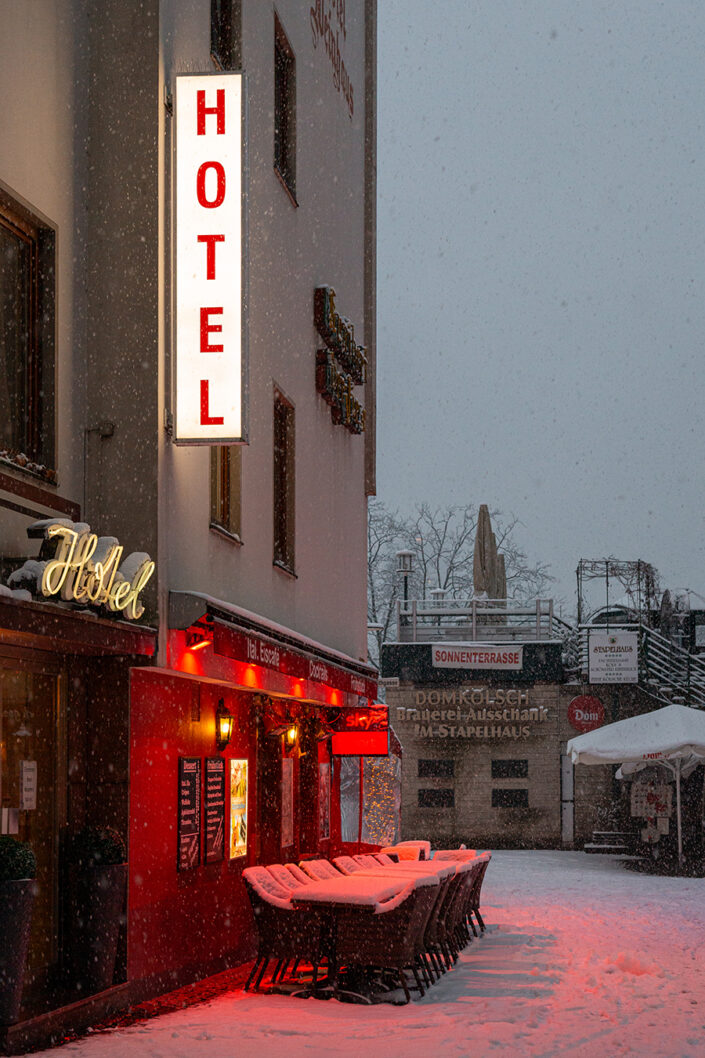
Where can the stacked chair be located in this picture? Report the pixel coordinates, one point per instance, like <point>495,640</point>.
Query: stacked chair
<point>420,932</point>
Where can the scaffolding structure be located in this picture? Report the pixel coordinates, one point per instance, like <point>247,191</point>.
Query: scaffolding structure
<point>638,580</point>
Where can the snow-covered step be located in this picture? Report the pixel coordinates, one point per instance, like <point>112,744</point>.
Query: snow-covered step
<point>594,847</point>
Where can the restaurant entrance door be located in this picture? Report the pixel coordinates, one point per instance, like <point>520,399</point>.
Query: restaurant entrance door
<point>32,790</point>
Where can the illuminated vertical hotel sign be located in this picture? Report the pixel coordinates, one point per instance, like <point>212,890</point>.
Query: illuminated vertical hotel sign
<point>210,360</point>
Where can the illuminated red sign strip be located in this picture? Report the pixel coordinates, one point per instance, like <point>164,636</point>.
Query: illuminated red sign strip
<point>258,650</point>
<point>360,744</point>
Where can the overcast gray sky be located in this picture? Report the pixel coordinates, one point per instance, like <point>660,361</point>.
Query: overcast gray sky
<point>541,278</point>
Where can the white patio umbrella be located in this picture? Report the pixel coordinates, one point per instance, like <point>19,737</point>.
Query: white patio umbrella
<point>673,737</point>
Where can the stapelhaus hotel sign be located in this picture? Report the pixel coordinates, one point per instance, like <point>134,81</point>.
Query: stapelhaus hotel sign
<point>210,361</point>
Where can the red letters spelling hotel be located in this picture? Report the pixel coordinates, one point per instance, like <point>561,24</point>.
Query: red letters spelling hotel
<point>211,240</point>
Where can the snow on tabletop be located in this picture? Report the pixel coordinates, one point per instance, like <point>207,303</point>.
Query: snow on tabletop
<point>353,889</point>
<point>581,959</point>
<point>416,880</point>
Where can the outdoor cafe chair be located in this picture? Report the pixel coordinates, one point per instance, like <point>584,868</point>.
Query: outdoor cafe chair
<point>295,871</point>
<point>474,902</point>
<point>388,941</point>
<point>384,859</point>
<point>347,864</point>
<point>284,933</point>
<point>319,869</point>
<point>454,854</point>
<point>285,878</point>
<point>424,848</point>
<point>366,859</point>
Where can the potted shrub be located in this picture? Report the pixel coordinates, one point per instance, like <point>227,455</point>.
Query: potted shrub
<point>18,868</point>
<point>97,885</point>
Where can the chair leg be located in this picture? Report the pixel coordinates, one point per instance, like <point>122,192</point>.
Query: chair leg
<point>404,985</point>
<point>478,916</point>
<point>419,986</point>
<point>253,971</point>
<point>265,964</point>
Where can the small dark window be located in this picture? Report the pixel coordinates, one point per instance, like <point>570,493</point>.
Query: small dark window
<point>510,798</point>
<point>441,769</point>
<point>26,335</point>
<point>226,478</point>
<point>437,798</point>
<point>510,769</point>
<point>284,493</point>
<point>284,109</point>
<point>226,19</point>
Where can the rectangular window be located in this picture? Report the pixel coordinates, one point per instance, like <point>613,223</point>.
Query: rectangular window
<point>226,484</point>
<point>441,769</point>
<point>510,798</point>
<point>510,769</point>
<point>284,492</point>
<point>26,337</point>
<point>444,798</point>
<point>226,20</point>
<point>284,109</point>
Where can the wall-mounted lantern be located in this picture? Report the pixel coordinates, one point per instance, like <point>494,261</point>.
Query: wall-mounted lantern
<point>223,726</point>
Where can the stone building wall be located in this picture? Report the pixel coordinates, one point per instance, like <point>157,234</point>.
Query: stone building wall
<point>503,788</point>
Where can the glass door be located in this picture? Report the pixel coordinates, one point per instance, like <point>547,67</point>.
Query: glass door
<point>29,796</point>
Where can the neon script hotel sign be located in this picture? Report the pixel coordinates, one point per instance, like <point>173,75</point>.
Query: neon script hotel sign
<point>90,569</point>
<point>209,355</point>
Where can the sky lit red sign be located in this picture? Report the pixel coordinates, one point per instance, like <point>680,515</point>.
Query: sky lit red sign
<point>361,732</point>
<point>209,371</point>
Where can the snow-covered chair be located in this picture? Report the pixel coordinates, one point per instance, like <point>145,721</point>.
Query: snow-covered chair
<point>284,877</point>
<point>284,933</point>
<point>300,876</point>
<point>391,938</point>
<point>454,854</point>
<point>403,852</point>
<point>423,846</point>
<point>366,859</point>
<point>320,870</point>
<point>474,902</point>
<point>346,864</point>
<point>384,859</point>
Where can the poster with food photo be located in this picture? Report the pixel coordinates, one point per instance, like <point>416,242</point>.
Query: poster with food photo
<point>238,809</point>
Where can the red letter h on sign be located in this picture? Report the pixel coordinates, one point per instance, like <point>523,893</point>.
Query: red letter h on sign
<point>202,110</point>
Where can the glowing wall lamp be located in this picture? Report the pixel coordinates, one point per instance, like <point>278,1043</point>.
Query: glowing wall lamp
<point>223,726</point>
<point>197,639</point>
<point>291,733</point>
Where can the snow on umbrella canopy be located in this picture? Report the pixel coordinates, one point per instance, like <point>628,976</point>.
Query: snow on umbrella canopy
<point>673,737</point>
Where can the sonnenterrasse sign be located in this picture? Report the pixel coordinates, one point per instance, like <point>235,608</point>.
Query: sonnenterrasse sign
<point>209,369</point>
<point>472,656</point>
<point>613,657</point>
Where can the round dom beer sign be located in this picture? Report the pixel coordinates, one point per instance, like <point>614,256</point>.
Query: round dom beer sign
<point>586,713</point>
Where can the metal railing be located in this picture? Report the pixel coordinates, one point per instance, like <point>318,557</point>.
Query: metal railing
<point>477,620</point>
<point>666,671</point>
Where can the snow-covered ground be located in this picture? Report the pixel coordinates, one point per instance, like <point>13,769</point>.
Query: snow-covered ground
<point>581,957</point>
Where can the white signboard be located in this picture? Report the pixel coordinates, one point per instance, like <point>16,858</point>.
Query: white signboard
<point>28,785</point>
<point>472,656</point>
<point>209,370</point>
<point>613,657</point>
